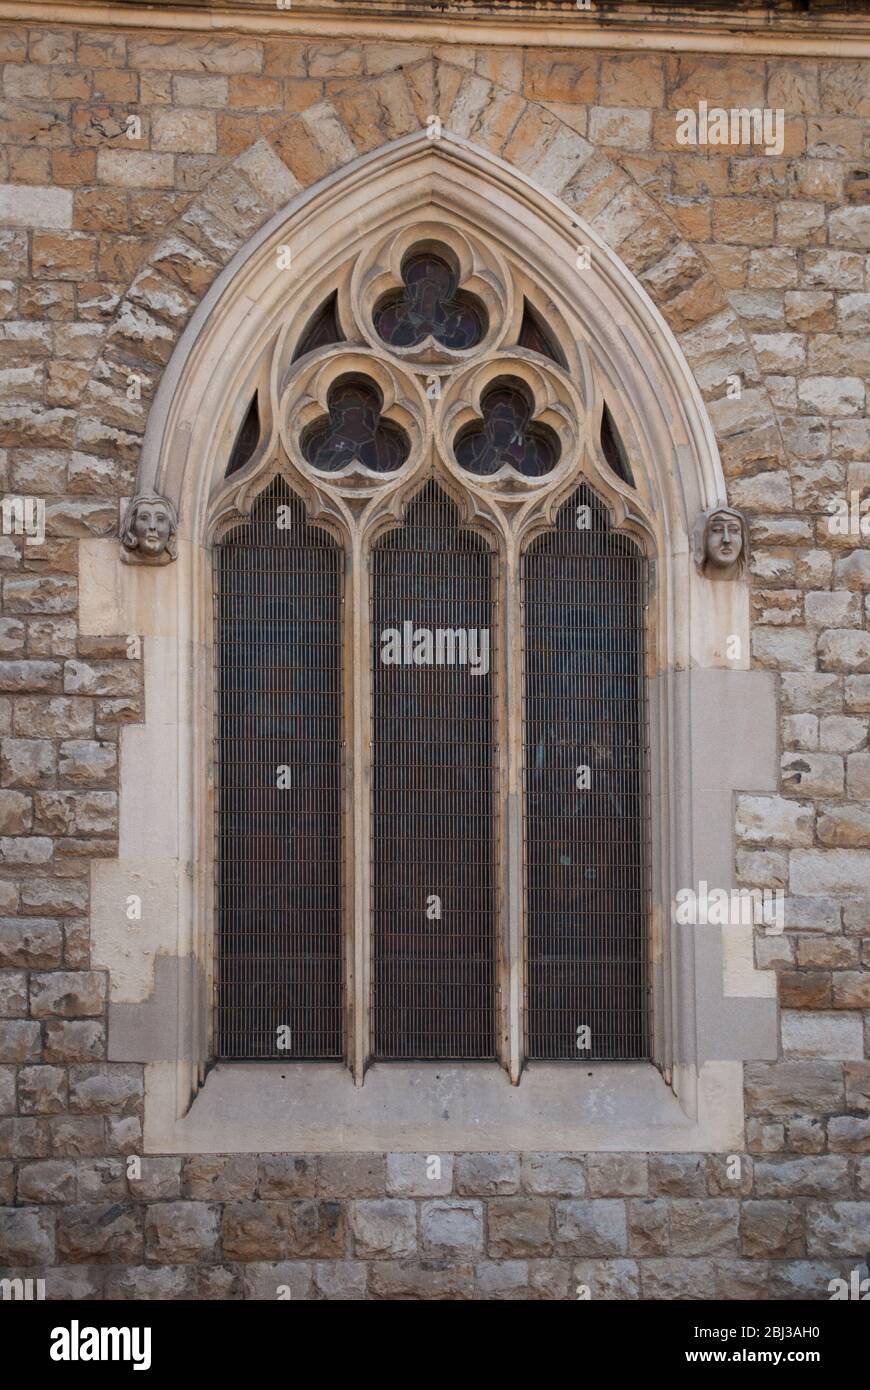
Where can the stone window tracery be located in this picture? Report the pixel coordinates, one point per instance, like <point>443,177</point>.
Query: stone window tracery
<point>429,415</point>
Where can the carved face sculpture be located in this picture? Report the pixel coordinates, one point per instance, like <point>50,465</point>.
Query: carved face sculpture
<point>724,540</point>
<point>150,528</point>
<point>721,543</point>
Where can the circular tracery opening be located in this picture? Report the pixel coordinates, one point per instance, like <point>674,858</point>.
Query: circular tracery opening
<point>354,430</point>
<point>430,304</point>
<point>507,434</point>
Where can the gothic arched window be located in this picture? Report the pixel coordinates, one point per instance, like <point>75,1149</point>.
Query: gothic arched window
<point>432,804</point>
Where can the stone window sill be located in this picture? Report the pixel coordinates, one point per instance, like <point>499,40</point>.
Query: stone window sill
<point>412,1107</point>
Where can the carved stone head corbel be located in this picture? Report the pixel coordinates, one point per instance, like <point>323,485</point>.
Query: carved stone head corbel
<point>722,543</point>
<point>149,535</point>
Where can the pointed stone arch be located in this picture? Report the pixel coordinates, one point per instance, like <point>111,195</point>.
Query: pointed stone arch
<point>198,317</point>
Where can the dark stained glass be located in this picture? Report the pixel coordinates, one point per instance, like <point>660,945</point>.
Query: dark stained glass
<point>614,450</point>
<point>322,329</point>
<point>584,592</point>
<point>247,438</point>
<point>430,303</point>
<point>354,430</point>
<point>507,434</point>
<point>279,755</point>
<point>435,757</point>
<point>535,337</point>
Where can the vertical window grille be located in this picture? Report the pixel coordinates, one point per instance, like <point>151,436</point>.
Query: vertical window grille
<point>584,600</point>
<point>434,821</point>
<point>278,639</point>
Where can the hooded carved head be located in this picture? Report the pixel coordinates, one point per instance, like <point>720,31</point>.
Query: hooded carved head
<point>722,543</point>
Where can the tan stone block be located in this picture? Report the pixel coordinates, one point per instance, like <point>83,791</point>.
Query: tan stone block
<point>30,166</point>
<point>460,54</point>
<point>632,79</point>
<point>112,85</point>
<point>192,53</point>
<point>100,210</point>
<point>621,127</point>
<point>498,118</point>
<point>501,66</point>
<point>184,130</point>
<point>694,305</point>
<point>800,224</point>
<point>64,255</point>
<point>793,84</point>
<point>335,60</point>
<point>329,132</point>
<point>386,57</point>
<point>593,186</point>
<point>448,78</point>
<point>260,92</point>
<point>72,170</point>
<point>51,46</point>
<point>299,94</point>
<point>151,212</point>
<point>744,221</point>
<point>844,87</point>
<point>235,133</point>
<point>692,218</point>
<point>558,74</point>
<point>530,137</point>
<point>283,58</point>
<point>135,169</point>
<point>190,90</point>
<point>155,88</point>
<point>819,178</point>
<point>375,112</point>
<point>70,84</point>
<point>834,137</point>
<point>646,247</point>
<point>575,117</point>
<point>305,159</point>
<point>718,79</point>
<point>101,49</point>
<point>121,257</point>
<point>699,175</point>
<point>421,86</point>
<point>729,264</point>
<point>21,125</point>
<point>65,382</point>
<point>758,177</point>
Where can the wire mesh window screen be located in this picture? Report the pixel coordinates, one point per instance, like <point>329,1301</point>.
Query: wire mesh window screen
<point>278,639</point>
<point>584,601</point>
<point>434,822</point>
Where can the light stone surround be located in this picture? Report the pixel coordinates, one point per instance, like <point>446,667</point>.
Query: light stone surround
<point>159,968</point>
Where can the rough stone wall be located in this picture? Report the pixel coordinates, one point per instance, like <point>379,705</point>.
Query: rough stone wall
<point>760,264</point>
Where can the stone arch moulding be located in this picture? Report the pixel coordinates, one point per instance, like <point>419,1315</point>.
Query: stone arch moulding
<point>712,720</point>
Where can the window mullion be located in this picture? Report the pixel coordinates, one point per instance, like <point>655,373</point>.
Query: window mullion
<point>360,756</point>
<point>512,813</point>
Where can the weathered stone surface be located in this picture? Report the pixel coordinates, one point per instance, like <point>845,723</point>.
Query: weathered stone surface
<point>215,1178</point>
<point>286,1175</point>
<point>554,1174</point>
<point>99,1233</point>
<point>487,1175</point>
<point>419,1175</point>
<point>839,1228</point>
<point>383,1227</point>
<point>594,1229</point>
<point>772,1229</point>
<point>451,1227</point>
<point>282,1230</point>
<point>70,994</point>
<point>181,1232</point>
<point>519,1226</point>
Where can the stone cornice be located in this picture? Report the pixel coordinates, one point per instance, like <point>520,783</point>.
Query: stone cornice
<point>825,31</point>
